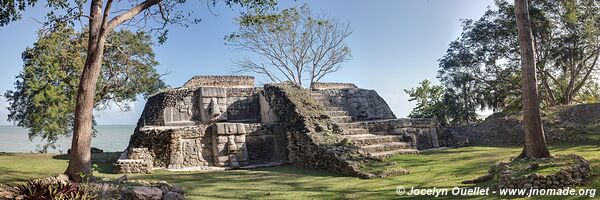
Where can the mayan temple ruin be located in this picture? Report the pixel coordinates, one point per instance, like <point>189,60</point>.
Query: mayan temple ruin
<point>225,122</point>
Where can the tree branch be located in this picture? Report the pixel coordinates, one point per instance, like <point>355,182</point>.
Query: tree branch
<point>128,15</point>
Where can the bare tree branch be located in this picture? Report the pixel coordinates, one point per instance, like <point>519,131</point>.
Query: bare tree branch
<point>130,13</point>
<point>293,43</point>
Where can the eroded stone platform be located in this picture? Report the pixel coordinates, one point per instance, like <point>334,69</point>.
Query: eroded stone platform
<point>225,122</point>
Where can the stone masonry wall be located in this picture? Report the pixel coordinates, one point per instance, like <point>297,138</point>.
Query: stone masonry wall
<point>229,147</point>
<point>266,144</point>
<point>562,124</point>
<point>362,104</point>
<point>323,86</point>
<point>185,106</point>
<point>220,81</point>
<point>211,145</point>
<point>191,126</point>
<point>157,140</point>
<point>243,105</point>
<point>156,105</point>
<point>569,176</point>
<point>423,132</point>
<point>137,160</point>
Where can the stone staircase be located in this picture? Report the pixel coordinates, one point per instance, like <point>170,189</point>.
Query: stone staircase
<point>375,145</point>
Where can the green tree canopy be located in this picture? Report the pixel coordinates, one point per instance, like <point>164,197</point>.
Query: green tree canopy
<point>437,102</point>
<point>45,91</point>
<point>484,61</point>
<point>429,101</point>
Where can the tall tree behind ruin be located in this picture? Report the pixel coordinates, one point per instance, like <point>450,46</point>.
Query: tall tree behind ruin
<point>148,14</point>
<point>292,43</point>
<point>566,36</point>
<point>535,143</point>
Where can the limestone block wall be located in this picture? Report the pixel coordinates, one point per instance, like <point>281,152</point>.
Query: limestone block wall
<point>266,113</point>
<point>243,104</point>
<point>266,144</point>
<point>167,107</point>
<point>157,140</point>
<point>229,147</point>
<point>105,157</point>
<point>362,104</point>
<point>131,166</point>
<point>423,132</point>
<point>137,160</point>
<point>324,86</point>
<point>192,106</point>
<point>190,147</point>
<point>176,147</point>
<point>220,81</point>
<point>213,103</point>
<point>568,177</point>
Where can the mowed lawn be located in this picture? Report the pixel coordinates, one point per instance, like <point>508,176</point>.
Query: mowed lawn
<point>441,169</point>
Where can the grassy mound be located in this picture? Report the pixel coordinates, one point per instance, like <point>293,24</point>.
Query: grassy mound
<point>575,124</point>
<point>564,171</point>
<point>544,166</point>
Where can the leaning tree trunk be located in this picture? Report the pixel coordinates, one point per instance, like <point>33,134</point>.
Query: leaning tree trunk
<point>79,156</point>
<point>535,143</point>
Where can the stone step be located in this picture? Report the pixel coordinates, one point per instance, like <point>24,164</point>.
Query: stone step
<point>353,125</point>
<point>335,108</point>
<point>391,146</point>
<point>386,154</point>
<point>330,103</point>
<point>370,139</point>
<point>342,119</point>
<point>355,131</point>
<point>327,103</point>
<point>324,102</point>
<point>337,113</point>
<point>320,97</point>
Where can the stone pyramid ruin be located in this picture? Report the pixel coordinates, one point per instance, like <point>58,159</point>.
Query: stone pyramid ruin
<point>226,122</point>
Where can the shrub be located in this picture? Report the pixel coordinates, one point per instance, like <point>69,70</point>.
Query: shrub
<point>54,189</point>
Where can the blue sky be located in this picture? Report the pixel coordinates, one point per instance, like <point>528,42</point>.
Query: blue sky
<point>395,45</point>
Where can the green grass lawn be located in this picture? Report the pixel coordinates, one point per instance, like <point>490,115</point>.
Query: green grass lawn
<point>446,168</point>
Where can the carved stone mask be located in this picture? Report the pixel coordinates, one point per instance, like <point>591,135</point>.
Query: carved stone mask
<point>214,110</point>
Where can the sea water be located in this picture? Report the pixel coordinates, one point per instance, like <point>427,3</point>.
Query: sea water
<point>108,138</point>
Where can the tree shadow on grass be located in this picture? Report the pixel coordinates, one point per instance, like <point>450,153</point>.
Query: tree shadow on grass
<point>295,170</point>
<point>434,169</point>
<point>103,167</point>
<point>275,182</point>
<point>12,177</point>
<point>61,157</point>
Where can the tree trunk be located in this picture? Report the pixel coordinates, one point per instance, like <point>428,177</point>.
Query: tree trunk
<point>79,156</point>
<point>535,143</point>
